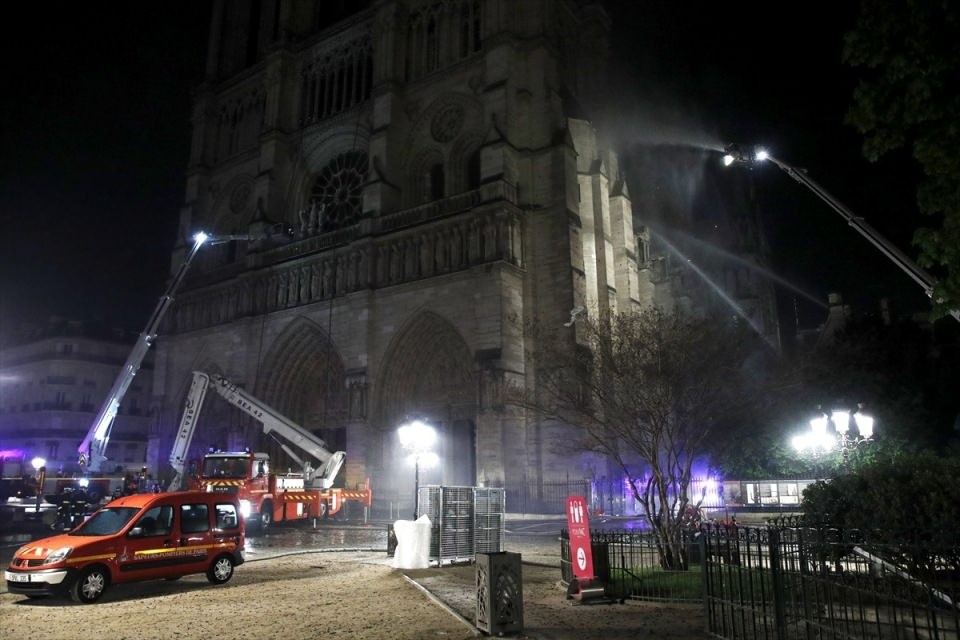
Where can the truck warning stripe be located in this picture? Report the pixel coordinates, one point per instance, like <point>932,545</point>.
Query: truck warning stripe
<point>297,497</point>
<point>102,556</point>
<point>172,550</point>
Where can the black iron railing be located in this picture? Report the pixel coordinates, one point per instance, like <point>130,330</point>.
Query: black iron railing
<point>793,580</point>
<point>629,566</point>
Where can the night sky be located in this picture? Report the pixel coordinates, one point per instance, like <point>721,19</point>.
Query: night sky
<point>96,131</point>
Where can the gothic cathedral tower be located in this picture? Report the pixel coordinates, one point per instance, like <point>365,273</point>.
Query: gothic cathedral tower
<point>444,188</point>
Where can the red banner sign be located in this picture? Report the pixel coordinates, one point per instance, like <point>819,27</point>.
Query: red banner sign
<point>581,557</point>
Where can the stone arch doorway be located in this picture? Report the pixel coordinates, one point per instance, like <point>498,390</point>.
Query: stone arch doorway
<point>428,373</point>
<point>302,377</point>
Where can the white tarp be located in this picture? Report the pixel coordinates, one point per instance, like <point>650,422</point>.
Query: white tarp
<point>413,543</point>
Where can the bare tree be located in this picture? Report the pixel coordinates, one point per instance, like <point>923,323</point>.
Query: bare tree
<point>648,390</point>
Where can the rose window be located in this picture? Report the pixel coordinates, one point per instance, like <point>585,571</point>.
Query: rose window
<point>338,191</point>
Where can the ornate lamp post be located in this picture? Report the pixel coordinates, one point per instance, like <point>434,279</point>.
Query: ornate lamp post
<point>417,438</point>
<point>820,439</point>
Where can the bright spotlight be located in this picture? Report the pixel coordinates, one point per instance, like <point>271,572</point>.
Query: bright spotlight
<point>728,160</point>
<point>761,154</point>
<point>200,237</point>
<point>799,443</point>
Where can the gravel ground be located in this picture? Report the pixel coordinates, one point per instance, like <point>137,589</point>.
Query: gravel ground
<point>355,595</point>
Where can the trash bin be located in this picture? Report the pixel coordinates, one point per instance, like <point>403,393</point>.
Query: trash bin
<point>499,593</point>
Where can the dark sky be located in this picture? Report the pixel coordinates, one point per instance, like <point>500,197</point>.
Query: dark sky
<point>95,122</point>
<point>96,131</point>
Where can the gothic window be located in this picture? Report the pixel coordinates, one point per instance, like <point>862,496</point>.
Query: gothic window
<point>437,183</point>
<point>336,81</point>
<point>338,191</point>
<point>473,170</point>
<point>441,34</point>
<point>433,46</point>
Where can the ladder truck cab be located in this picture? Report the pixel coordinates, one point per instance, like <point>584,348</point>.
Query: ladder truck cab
<point>265,495</point>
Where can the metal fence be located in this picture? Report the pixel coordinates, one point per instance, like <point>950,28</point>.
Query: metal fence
<point>464,521</point>
<point>628,565</point>
<point>545,497</point>
<point>793,581</point>
<point>790,581</point>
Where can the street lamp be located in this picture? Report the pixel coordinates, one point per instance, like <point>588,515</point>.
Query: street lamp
<point>820,439</point>
<point>417,438</point>
<point>40,467</point>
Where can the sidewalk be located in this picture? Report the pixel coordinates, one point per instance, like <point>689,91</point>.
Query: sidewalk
<point>549,615</point>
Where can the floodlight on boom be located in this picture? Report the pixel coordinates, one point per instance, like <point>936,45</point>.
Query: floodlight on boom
<point>200,237</point>
<point>733,154</point>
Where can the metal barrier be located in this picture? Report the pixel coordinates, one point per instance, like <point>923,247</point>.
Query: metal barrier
<point>628,564</point>
<point>789,581</point>
<point>464,521</point>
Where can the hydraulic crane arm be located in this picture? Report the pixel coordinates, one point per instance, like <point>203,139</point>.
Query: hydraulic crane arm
<point>275,423</point>
<point>917,273</point>
<point>95,443</point>
<point>191,411</point>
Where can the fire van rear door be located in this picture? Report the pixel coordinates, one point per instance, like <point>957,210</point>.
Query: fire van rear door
<point>196,540</point>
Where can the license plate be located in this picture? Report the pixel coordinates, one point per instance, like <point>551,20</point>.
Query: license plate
<point>19,577</point>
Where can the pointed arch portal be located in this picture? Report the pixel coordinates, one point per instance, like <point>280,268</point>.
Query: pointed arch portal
<point>429,373</point>
<point>306,384</point>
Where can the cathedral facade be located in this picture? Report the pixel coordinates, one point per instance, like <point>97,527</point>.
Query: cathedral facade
<point>443,190</point>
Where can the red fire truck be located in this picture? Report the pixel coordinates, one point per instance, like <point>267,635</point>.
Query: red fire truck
<point>265,496</point>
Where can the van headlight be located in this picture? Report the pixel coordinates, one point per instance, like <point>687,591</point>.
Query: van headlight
<point>245,508</point>
<point>57,555</point>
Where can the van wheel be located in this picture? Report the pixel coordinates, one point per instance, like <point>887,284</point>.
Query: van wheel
<point>266,515</point>
<point>221,570</point>
<point>90,585</point>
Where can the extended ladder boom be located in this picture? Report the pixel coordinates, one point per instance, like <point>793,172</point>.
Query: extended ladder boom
<point>95,443</point>
<point>275,423</point>
<point>188,423</point>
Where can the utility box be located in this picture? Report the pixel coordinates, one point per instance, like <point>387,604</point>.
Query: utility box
<point>499,593</point>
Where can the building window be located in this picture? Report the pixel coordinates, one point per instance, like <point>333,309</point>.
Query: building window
<point>336,81</point>
<point>473,170</point>
<point>437,182</point>
<point>442,34</point>
<point>53,450</point>
<point>337,195</point>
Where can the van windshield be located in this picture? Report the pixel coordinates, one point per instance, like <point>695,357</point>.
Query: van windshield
<point>106,522</point>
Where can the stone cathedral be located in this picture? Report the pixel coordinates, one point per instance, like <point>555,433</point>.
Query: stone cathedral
<point>443,188</point>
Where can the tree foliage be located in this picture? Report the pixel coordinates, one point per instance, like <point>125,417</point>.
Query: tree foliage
<point>908,97</point>
<point>905,492</point>
<point>648,391</point>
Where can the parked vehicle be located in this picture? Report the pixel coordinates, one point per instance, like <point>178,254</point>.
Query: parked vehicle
<point>265,496</point>
<point>134,538</point>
